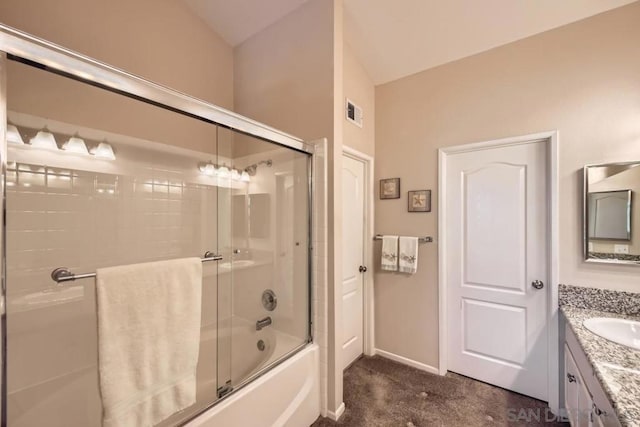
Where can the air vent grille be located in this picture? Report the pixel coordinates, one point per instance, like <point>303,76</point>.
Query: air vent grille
<point>354,113</point>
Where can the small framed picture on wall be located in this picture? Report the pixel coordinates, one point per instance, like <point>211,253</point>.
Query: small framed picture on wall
<point>419,201</point>
<point>390,188</point>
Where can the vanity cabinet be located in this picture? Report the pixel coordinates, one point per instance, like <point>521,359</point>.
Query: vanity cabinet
<point>578,401</point>
<point>585,400</point>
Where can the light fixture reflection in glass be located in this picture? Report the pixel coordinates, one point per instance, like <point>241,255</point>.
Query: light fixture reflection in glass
<point>103,151</point>
<point>207,168</point>
<point>223,172</point>
<point>13,135</point>
<point>211,169</point>
<point>75,145</point>
<point>44,139</point>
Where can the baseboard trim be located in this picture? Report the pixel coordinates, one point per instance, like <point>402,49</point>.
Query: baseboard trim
<point>335,416</point>
<point>407,361</point>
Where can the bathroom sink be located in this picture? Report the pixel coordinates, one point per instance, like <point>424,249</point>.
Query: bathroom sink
<point>621,331</point>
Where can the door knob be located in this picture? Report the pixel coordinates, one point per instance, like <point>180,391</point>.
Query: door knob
<point>362,269</point>
<point>537,284</point>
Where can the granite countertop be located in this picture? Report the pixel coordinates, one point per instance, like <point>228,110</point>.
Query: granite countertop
<point>617,367</point>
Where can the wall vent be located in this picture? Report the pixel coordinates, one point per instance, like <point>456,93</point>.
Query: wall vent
<point>354,113</point>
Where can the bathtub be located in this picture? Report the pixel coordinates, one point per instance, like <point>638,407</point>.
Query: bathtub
<point>286,395</point>
<point>247,366</point>
<point>238,357</point>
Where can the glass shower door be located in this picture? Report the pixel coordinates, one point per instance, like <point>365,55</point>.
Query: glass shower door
<point>266,276</point>
<point>95,179</point>
<point>226,181</point>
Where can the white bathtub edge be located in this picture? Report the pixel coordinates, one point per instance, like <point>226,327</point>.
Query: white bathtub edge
<point>287,396</point>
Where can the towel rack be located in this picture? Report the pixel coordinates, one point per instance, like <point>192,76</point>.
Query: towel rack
<point>425,239</point>
<point>63,274</point>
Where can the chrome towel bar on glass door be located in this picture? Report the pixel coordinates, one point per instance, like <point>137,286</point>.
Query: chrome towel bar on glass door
<point>63,274</point>
<point>425,239</point>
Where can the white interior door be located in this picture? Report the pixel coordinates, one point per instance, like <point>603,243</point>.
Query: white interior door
<point>352,258</point>
<point>496,237</point>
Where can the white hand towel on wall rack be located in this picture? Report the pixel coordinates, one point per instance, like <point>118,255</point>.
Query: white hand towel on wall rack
<point>408,254</point>
<point>389,260</point>
<point>148,339</point>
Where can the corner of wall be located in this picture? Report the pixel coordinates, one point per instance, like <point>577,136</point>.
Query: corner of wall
<point>335,396</point>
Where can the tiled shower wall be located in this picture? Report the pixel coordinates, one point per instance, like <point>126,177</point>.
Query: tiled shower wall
<point>84,220</point>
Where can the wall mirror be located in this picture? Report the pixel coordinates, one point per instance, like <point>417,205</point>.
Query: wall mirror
<point>611,216</point>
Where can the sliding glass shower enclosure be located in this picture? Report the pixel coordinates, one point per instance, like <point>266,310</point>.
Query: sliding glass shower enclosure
<point>102,169</point>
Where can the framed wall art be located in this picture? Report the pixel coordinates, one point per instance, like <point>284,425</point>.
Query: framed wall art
<point>390,188</point>
<point>419,201</point>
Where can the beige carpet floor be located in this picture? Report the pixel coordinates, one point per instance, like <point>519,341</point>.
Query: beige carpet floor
<point>380,392</point>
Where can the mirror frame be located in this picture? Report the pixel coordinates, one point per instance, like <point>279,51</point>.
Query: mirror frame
<point>585,216</point>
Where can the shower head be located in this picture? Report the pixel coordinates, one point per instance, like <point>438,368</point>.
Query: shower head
<point>251,169</point>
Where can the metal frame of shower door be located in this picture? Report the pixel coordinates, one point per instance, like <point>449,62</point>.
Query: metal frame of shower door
<point>310,247</point>
<point>32,50</point>
<point>22,47</point>
<point>3,258</point>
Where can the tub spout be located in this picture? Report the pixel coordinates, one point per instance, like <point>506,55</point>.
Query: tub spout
<point>263,322</point>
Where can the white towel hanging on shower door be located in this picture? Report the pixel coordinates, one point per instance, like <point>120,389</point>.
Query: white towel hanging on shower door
<point>148,339</point>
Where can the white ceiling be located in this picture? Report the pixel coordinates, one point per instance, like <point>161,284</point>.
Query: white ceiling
<point>396,38</point>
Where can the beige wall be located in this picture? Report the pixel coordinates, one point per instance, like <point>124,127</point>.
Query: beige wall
<point>359,88</point>
<point>581,79</point>
<point>285,76</point>
<point>334,202</point>
<point>161,40</point>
